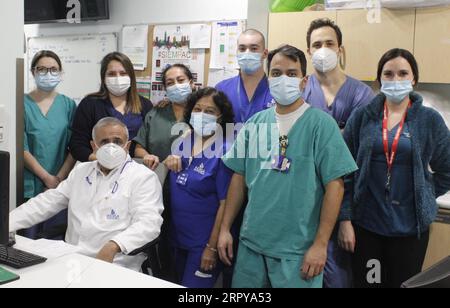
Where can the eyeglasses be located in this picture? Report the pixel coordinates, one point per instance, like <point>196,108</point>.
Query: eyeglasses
<point>42,71</point>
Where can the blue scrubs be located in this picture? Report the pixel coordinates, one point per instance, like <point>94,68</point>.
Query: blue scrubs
<point>243,108</point>
<point>133,121</point>
<point>352,95</point>
<point>391,214</point>
<point>196,193</point>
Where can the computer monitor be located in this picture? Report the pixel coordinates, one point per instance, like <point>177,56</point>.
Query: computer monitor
<point>4,198</point>
<point>438,276</point>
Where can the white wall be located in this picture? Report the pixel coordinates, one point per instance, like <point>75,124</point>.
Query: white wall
<point>128,12</point>
<point>258,16</point>
<point>11,23</point>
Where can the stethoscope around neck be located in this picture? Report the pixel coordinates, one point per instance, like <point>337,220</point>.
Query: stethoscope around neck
<point>116,183</point>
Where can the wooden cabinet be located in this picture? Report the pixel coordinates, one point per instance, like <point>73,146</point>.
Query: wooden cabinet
<point>366,38</point>
<point>291,28</point>
<point>432,44</point>
<point>425,32</point>
<point>439,245</point>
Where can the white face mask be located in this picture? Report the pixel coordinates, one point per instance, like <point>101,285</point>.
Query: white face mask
<point>118,86</point>
<point>325,60</point>
<point>111,156</point>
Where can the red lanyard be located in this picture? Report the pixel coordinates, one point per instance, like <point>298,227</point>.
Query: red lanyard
<point>390,157</point>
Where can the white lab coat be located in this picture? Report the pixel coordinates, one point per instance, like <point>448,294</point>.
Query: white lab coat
<point>124,207</point>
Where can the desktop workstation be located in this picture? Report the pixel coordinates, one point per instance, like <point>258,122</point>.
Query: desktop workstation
<point>78,271</point>
<point>63,269</point>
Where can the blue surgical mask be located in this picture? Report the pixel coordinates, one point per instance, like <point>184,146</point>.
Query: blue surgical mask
<point>249,62</point>
<point>285,90</point>
<point>396,91</point>
<point>204,124</point>
<point>178,93</point>
<point>48,82</point>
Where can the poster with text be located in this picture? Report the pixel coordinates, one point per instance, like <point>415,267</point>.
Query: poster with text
<point>171,46</point>
<point>224,46</point>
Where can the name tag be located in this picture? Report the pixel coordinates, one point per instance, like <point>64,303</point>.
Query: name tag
<point>281,164</point>
<point>182,179</point>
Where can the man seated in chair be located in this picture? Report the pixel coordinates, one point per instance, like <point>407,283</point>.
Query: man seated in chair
<point>114,204</point>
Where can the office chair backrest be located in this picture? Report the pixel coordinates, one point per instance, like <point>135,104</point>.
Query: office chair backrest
<point>438,276</point>
<point>161,171</point>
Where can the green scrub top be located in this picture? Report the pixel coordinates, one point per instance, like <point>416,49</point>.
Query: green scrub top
<point>46,138</point>
<point>283,214</point>
<point>155,136</point>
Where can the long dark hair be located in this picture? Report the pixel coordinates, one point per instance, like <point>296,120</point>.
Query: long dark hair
<point>220,100</point>
<point>133,101</point>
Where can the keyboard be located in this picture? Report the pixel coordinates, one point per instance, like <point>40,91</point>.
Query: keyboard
<point>18,259</point>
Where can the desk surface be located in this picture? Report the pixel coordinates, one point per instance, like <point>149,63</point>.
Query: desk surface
<point>78,271</point>
<point>444,201</point>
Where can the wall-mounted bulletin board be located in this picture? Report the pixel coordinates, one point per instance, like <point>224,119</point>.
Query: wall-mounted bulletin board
<point>208,49</point>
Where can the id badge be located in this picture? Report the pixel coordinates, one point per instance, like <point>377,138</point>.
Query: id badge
<point>182,179</point>
<point>281,164</point>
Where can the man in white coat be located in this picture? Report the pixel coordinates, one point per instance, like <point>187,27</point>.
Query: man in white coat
<point>114,204</point>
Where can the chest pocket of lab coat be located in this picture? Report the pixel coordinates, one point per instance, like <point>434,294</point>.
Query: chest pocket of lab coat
<point>113,212</point>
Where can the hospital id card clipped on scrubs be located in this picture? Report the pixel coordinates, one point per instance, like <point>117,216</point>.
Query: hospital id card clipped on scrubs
<point>7,277</point>
<point>183,176</point>
<point>282,163</point>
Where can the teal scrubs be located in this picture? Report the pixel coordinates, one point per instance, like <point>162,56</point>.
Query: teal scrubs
<point>47,139</point>
<point>283,214</point>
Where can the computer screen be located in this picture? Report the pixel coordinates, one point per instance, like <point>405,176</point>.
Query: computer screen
<point>47,11</point>
<point>4,198</point>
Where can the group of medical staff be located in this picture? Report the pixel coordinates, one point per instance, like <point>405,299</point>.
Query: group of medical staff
<point>346,178</point>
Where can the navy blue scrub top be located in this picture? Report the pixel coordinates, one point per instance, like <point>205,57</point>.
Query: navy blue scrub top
<point>391,214</point>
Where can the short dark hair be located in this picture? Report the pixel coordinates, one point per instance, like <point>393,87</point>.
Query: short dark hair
<point>395,53</point>
<point>292,53</point>
<point>321,23</point>
<point>256,32</point>
<point>45,54</point>
<point>186,70</point>
<point>220,99</point>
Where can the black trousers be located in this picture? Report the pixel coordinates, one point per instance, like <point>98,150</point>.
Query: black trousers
<point>387,262</point>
